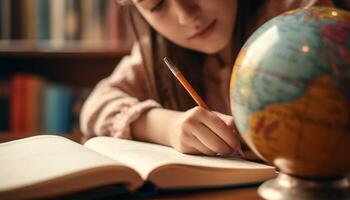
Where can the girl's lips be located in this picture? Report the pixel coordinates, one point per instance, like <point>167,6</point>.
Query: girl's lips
<point>205,32</point>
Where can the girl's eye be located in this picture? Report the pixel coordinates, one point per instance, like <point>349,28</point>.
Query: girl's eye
<point>158,6</point>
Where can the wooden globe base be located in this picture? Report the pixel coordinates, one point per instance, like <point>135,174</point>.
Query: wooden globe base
<point>287,187</point>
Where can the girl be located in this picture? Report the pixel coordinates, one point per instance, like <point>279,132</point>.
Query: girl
<point>142,100</point>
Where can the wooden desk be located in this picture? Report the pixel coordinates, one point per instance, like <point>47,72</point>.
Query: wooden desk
<point>236,193</point>
<point>247,193</point>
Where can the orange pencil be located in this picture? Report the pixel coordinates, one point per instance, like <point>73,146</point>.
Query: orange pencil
<point>189,88</point>
<point>185,83</point>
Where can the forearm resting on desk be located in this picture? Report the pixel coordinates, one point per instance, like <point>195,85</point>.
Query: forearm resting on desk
<point>196,131</point>
<point>152,126</point>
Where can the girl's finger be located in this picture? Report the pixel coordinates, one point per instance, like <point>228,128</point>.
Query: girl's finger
<point>208,138</point>
<point>201,147</point>
<point>219,127</point>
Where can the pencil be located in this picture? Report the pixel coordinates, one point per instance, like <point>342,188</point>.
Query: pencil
<point>177,73</point>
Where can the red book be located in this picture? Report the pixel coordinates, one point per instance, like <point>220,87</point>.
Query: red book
<point>33,90</point>
<point>17,104</point>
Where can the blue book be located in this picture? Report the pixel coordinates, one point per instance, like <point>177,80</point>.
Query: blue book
<point>43,25</point>
<point>57,109</point>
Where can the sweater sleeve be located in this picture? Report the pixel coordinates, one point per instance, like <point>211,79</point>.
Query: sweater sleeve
<point>117,100</point>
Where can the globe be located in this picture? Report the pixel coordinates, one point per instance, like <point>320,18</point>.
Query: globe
<point>290,92</point>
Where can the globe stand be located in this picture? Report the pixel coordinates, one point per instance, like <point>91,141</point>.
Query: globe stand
<point>287,187</point>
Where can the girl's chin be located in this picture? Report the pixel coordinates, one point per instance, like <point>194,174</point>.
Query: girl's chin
<point>210,49</point>
<point>207,47</point>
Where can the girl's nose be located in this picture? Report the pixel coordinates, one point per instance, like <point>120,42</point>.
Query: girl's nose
<point>187,11</point>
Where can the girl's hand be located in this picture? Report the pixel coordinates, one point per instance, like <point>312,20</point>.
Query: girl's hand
<point>199,131</point>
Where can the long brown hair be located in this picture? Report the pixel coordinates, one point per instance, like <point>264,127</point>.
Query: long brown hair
<point>162,85</point>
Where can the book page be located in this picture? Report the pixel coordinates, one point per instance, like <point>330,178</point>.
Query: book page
<point>40,160</point>
<point>146,157</point>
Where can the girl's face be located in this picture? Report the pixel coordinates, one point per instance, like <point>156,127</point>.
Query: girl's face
<point>202,25</point>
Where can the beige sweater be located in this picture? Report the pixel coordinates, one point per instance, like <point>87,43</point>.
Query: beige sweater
<point>120,99</point>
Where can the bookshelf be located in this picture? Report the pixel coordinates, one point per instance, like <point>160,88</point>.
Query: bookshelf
<point>101,39</point>
<point>63,64</point>
<point>74,66</point>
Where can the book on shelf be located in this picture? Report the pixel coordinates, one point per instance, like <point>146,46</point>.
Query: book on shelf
<point>57,109</point>
<point>43,20</point>
<point>18,103</point>
<point>64,21</point>
<point>33,104</point>
<point>33,85</point>
<point>29,19</point>
<point>5,17</point>
<point>91,18</point>
<point>50,166</point>
<point>16,16</point>
<point>57,23</point>
<point>73,20</point>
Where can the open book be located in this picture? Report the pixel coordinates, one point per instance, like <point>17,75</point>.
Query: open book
<point>49,166</point>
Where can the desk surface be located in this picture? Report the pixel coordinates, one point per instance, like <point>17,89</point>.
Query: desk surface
<point>246,193</point>
<point>229,194</point>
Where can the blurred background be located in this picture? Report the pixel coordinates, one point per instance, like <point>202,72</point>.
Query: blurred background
<point>52,53</point>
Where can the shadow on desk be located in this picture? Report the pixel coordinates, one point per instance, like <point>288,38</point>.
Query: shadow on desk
<point>239,192</point>
<point>248,192</point>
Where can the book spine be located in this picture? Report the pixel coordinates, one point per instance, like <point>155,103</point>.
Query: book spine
<point>17,109</point>
<point>5,19</point>
<point>92,33</point>
<point>29,19</point>
<point>57,22</point>
<point>57,112</point>
<point>34,85</point>
<point>43,24</point>
<point>23,20</point>
<point>16,22</point>
<point>1,19</point>
<point>73,20</point>
<point>103,13</point>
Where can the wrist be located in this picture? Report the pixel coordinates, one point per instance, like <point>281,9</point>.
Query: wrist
<point>174,129</point>
<point>154,126</point>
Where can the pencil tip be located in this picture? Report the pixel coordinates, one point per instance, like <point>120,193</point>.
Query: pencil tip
<point>241,153</point>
